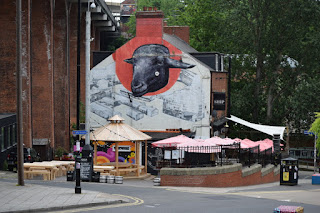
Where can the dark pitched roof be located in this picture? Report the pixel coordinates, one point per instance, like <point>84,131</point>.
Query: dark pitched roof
<point>179,43</point>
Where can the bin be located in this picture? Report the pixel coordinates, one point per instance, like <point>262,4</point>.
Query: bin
<point>95,177</point>
<point>289,171</point>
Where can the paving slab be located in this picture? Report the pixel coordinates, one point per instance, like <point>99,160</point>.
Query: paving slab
<point>37,198</point>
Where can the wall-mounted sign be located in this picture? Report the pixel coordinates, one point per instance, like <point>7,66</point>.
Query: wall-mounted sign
<point>122,148</point>
<point>40,141</point>
<point>219,101</point>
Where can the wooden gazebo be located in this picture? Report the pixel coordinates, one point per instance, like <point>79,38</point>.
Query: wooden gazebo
<point>117,131</point>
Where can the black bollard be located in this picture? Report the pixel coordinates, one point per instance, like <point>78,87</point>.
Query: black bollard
<point>77,167</point>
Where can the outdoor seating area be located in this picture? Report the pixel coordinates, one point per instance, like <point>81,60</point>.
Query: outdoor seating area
<point>118,132</point>
<point>184,152</point>
<point>48,169</point>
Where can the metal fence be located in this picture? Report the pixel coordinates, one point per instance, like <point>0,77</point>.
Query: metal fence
<point>208,156</point>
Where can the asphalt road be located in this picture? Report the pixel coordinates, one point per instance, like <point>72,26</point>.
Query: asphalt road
<point>145,197</point>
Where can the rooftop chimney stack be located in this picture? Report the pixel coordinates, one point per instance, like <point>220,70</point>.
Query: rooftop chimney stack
<point>149,22</point>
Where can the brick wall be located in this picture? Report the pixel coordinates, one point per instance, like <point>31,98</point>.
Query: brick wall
<point>216,177</point>
<point>219,82</point>
<point>149,23</point>
<point>8,56</point>
<point>61,77</point>
<point>49,67</point>
<point>179,31</point>
<point>42,71</point>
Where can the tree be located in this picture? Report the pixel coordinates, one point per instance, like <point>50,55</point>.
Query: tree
<point>315,128</point>
<point>274,46</point>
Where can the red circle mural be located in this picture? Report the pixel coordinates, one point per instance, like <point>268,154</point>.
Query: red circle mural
<point>124,70</point>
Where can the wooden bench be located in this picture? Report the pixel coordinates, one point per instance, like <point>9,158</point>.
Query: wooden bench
<point>45,173</point>
<point>125,171</point>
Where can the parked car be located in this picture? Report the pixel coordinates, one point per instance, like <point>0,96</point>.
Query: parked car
<point>29,156</point>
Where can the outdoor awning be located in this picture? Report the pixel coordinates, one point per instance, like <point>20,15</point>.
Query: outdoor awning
<point>270,130</point>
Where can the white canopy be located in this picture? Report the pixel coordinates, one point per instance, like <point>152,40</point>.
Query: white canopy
<point>270,130</point>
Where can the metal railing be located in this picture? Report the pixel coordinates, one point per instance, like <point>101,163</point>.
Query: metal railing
<point>208,156</point>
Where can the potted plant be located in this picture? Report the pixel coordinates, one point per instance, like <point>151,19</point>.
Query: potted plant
<point>58,152</point>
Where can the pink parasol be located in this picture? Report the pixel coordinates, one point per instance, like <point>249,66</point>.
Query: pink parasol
<point>173,141</point>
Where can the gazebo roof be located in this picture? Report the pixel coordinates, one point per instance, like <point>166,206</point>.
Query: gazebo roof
<point>117,131</point>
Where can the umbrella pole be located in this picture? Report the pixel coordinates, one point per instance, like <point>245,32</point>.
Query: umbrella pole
<point>117,158</point>
<point>145,156</point>
<point>138,159</point>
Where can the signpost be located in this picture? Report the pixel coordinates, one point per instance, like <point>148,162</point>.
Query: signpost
<point>306,132</point>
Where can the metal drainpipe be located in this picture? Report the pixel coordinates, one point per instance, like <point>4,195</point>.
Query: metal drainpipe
<point>87,104</point>
<point>78,64</point>
<point>19,95</point>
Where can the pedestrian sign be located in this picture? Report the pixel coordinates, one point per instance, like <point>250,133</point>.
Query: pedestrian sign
<point>79,132</point>
<point>306,132</point>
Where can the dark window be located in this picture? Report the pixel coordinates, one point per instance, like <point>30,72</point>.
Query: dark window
<point>14,135</point>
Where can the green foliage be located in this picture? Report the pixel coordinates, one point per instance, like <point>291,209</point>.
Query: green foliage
<point>274,47</point>
<point>131,24</point>
<point>59,151</point>
<point>275,52</point>
<point>116,43</point>
<point>82,116</point>
<point>315,128</point>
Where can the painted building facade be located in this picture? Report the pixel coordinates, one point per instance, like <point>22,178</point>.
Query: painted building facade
<point>183,102</point>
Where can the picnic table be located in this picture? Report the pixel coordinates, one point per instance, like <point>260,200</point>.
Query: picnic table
<point>103,169</point>
<point>48,169</point>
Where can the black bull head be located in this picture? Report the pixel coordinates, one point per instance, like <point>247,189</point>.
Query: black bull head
<point>151,65</point>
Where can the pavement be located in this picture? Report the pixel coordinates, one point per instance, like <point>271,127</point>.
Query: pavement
<point>38,198</point>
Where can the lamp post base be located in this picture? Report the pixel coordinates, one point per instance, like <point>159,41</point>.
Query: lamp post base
<point>78,190</point>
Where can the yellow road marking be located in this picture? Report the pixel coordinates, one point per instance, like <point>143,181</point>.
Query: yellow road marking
<point>137,201</point>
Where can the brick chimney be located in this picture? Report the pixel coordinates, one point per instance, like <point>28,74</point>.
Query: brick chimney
<point>179,31</point>
<point>149,23</point>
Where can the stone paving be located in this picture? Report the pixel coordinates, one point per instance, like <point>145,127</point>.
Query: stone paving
<point>37,198</point>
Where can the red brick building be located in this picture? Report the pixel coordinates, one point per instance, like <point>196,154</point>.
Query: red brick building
<point>49,63</point>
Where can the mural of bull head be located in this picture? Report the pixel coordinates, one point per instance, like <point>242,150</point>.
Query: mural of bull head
<point>151,65</point>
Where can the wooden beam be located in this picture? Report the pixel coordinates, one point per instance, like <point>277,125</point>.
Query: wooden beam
<point>117,158</point>
<point>95,153</point>
<point>138,158</point>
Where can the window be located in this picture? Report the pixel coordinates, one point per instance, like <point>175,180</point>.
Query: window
<point>9,136</point>
<point>14,134</point>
